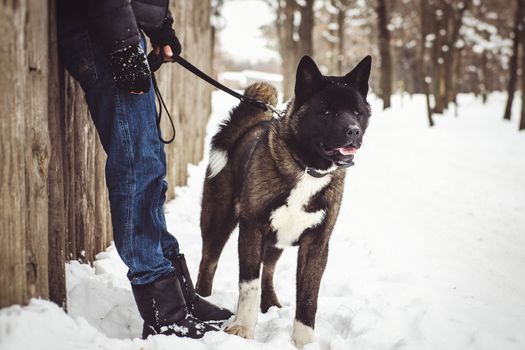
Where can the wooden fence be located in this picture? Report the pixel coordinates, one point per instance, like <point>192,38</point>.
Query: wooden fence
<point>53,199</point>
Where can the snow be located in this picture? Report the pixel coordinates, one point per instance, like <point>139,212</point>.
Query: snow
<point>428,252</point>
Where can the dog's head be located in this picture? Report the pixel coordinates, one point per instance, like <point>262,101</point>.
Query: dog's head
<point>329,114</point>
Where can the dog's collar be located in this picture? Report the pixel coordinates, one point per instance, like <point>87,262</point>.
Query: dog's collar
<point>320,173</point>
<point>316,173</point>
<point>312,171</point>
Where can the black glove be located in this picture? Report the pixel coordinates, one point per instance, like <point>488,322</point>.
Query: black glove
<point>130,69</point>
<point>165,35</point>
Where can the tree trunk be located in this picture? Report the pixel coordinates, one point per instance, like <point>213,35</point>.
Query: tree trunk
<point>287,45</point>
<point>331,47</point>
<point>483,74</point>
<point>438,67</point>
<point>513,65</point>
<point>216,7</point>
<point>384,52</point>
<point>305,29</point>
<point>456,76</point>
<point>522,119</point>
<point>452,55</point>
<point>293,43</point>
<point>340,39</point>
<point>424,58</point>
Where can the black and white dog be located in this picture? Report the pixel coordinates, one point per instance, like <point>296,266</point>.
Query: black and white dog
<point>282,182</point>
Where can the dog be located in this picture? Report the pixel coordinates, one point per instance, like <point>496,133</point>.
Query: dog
<point>281,180</point>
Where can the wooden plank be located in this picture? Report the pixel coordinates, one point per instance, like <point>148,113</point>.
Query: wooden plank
<point>37,147</point>
<point>69,188</point>
<point>83,217</point>
<point>90,180</point>
<point>53,161</point>
<point>101,201</point>
<point>57,224</point>
<point>12,156</point>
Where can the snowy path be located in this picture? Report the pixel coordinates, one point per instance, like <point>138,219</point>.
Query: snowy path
<point>428,252</point>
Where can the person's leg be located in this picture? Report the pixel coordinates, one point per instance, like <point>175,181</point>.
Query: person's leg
<point>169,245</point>
<point>136,164</point>
<point>135,171</point>
<point>135,177</point>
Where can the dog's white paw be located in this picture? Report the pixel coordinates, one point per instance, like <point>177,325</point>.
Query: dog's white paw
<point>302,334</point>
<point>247,309</point>
<point>240,330</point>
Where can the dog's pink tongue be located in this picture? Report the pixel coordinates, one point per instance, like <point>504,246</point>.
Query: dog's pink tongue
<point>347,151</point>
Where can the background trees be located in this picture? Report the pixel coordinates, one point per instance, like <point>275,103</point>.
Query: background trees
<point>517,36</point>
<point>294,23</point>
<point>434,47</point>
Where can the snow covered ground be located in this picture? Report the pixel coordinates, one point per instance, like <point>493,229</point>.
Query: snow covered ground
<point>428,252</point>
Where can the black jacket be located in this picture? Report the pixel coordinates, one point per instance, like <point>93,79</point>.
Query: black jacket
<point>116,24</point>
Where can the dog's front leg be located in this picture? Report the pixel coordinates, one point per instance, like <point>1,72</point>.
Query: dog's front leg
<point>310,267</point>
<point>250,256</point>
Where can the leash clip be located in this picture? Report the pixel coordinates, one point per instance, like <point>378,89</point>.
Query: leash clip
<point>262,106</point>
<point>279,112</point>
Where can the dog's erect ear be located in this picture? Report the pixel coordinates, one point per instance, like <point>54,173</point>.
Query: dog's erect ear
<point>358,77</point>
<point>308,79</point>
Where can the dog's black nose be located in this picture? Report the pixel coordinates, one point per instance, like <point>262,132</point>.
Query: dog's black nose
<point>353,131</point>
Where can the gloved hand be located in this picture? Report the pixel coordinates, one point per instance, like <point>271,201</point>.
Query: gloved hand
<point>130,69</point>
<point>165,37</point>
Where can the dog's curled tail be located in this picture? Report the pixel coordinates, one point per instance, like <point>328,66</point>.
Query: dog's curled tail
<point>242,118</point>
<point>263,92</point>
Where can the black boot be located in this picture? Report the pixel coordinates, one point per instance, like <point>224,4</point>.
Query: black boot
<point>198,306</point>
<point>163,308</point>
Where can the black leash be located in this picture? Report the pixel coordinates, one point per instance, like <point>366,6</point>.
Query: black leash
<point>256,103</point>
<point>155,61</point>
<point>162,105</point>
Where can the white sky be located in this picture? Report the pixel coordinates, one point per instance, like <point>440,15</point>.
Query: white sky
<point>241,36</point>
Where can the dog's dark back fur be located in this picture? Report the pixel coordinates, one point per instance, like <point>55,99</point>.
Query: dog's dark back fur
<point>257,178</point>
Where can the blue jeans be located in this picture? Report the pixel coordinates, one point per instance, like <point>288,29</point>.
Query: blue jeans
<point>136,163</point>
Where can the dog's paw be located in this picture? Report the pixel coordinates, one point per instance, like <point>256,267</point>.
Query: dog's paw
<point>300,344</point>
<point>240,330</point>
<point>302,334</point>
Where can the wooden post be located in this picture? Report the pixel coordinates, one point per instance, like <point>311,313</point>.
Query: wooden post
<point>37,148</point>
<point>57,214</point>
<point>24,152</point>
<point>12,155</point>
<point>53,201</point>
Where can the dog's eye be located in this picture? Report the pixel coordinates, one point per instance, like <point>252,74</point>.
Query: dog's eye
<point>356,113</point>
<point>327,113</point>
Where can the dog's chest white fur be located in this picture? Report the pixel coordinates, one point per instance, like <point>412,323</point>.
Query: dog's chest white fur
<point>290,220</point>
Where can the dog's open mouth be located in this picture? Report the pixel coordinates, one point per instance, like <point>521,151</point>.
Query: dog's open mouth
<point>345,151</point>
<point>341,156</point>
